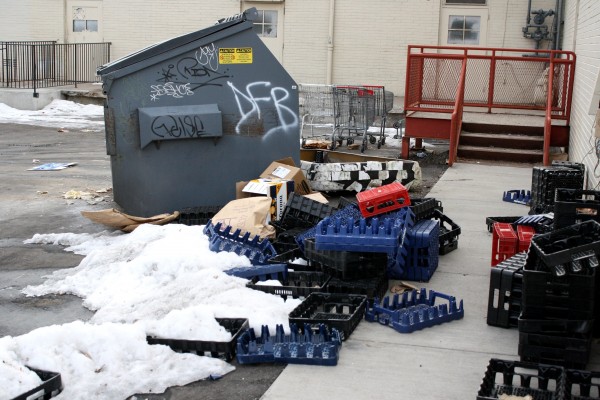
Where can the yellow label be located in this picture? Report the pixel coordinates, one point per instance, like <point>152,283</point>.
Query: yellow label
<point>237,55</point>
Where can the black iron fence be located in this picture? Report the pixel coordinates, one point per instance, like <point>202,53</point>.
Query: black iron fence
<point>39,64</point>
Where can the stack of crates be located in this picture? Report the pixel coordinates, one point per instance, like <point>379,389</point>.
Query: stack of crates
<point>506,292</point>
<point>545,181</point>
<point>558,302</point>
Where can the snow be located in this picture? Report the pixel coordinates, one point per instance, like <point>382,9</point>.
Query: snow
<point>160,281</point>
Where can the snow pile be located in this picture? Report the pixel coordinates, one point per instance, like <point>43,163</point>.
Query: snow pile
<point>58,114</point>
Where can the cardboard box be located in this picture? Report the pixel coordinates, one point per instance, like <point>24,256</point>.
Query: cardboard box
<point>286,170</point>
<point>277,190</point>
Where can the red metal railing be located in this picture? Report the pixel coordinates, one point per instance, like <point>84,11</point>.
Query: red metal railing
<point>493,78</point>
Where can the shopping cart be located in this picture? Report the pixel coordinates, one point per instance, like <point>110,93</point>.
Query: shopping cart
<point>384,102</point>
<point>316,108</point>
<point>354,112</point>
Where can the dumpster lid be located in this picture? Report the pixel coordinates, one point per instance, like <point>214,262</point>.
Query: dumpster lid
<point>161,47</point>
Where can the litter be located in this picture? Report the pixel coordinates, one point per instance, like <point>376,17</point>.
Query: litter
<point>52,166</point>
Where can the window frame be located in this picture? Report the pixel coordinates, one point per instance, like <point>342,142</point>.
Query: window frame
<point>464,30</point>
<point>261,22</point>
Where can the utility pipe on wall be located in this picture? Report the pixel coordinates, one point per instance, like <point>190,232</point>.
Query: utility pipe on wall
<point>330,42</point>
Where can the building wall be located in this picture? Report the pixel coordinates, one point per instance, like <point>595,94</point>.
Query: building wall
<point>32,20</point>
<point>582,35</point>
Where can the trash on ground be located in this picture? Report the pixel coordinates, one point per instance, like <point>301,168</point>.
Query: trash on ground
<point>52,166</point>
<point>127,223</point>
<point>249,215</point>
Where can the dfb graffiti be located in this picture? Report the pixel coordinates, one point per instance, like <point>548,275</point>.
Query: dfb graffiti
<point>261,101</point>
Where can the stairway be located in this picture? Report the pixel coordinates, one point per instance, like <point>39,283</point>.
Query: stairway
<point>514,143</point>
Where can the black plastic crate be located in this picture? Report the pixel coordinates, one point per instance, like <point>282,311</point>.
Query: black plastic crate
<point>370,287</point>
<point>568,350</point>
<point>555,326</point>
<point>425,208</point>
<point>542,382</point>
<point>340,311</point>
<point>545,180</point>
<point>506,292</point>
<point>346,264</point>
<point>295,261</point>
<point>570,164</point>
<point>197,215</point>
<point>50,387</point>
<point>573,206</point>
<point>490,221</point>
<point>582,385</point>
<point>295,284</point>
<point>303,212</point>
<point>225,350</point>
<point>575,247</point>
<point>286,240</point>
<point>449,232</point>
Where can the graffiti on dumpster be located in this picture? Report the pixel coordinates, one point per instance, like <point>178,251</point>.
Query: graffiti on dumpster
<point>189,74</point>
<point>261,101</point>
<point>189,126</point>
<point>175,90</point>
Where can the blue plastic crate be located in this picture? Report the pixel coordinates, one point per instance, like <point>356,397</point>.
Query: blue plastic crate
<point>258,250</point>
<point>517,196</point>
<point>423,251</point>
<point>262,272</point>
<point>375,235</point>
<point>414,311</point>
<point>299,347</point>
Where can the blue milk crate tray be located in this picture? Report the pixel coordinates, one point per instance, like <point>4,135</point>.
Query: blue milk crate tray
<point>320,347</point>
<point>226,350</point>
<point>516,378</point>
<point>261,272</point>
<point>50,387</point>
<point>423,251</point>
<point>337,311</point>
<point>414,311</point>
<point>517,196</point>
<point>295,284</point>
<point>258,250</point>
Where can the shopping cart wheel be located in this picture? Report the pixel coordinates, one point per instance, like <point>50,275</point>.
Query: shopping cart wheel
<point>362,148</point>
<point>349,141</point>
<point>378,145</point>
<point>383,141</point>
<point>340,142</point>
<point>372,139</point>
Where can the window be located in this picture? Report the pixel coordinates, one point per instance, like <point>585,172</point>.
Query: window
<point>90,25</point>
<point>464,29</point>
<point>470,2</point>
<point>266,23</point>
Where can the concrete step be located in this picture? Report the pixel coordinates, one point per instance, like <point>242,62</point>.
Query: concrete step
<point>500,154</point>
<point>506,140</point>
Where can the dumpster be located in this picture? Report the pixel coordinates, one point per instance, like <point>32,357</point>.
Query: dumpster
<point>189,117</point>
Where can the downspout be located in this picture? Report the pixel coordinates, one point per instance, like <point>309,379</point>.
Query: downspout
<point>528,13</point>
<point>557,45</point>
<point>330,42</point>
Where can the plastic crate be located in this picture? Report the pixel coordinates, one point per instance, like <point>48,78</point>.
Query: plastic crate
<point>258,250</point>
<point>383,199</point>
<point>490,221</point>
<point>295,284</point>
<point>320,347</point>
<point>286,240</point>
<point>449,232</point>
<point>504,242</point>
<point>573,248</point>
<point>295,261</point>
<point>582,385</point>
<point>302,212</point>
<point>524,235</point>
<point>545,180</point>
<point>414,311</point>
<point>370,287</point>
<point>517,196</point>
<point>197,215</point>
<point>338,311</point>
<point>573,206</point>
<point>540,381</point>
<point>225,350</point>
<point>506,291</point>
<point>261,272</point>
<point>552,326</point>
<point>425,208</point>
<point>345,264</point>
<point>568,350</point>
<point>50,387</point>
<point>422,252</point>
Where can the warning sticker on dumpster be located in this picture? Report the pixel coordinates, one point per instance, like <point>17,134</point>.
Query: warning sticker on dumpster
<point>235,55</point>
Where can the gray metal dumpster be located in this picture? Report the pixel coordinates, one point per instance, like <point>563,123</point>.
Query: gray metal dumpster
<point>189,117</point>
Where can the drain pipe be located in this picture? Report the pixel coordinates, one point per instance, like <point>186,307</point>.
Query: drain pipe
<point>528,13</point>
<point>330,42</point>
<point>557,45</point>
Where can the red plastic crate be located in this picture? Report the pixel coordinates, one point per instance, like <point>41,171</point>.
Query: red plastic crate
<point>383,199</point>
<point>504,242</point>
<point>524,235</point>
